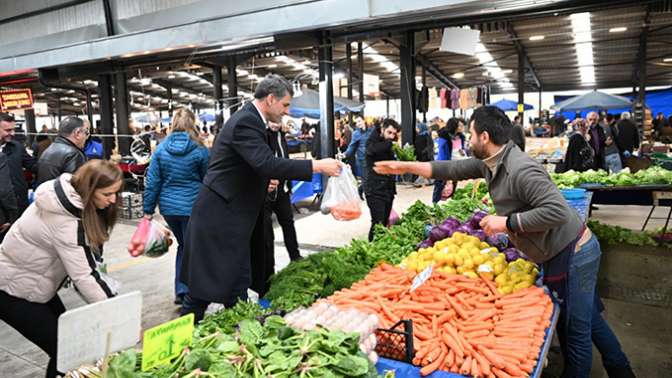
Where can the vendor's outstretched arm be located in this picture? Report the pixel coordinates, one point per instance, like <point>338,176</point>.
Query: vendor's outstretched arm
<point>442,170</point>
<point>392,167</point>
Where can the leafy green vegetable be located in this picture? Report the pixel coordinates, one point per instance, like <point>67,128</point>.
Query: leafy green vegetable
<point>123,365</point>
<point>616,235</point>
<point>649,176</point>
<point>407,153</point>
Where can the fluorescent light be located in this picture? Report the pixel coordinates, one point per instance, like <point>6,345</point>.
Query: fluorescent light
<point>667,60</point>
<point>507,71</point>
<point>145,81</point>
<point>374,55</point>
<point>458,75</point>
<point>272,66</point>
<point>618,29</point>
<point>338,75</point>
<point>536,38</point>
<point>171,76</point>
<point>492,68</point>
<point>582,31</point>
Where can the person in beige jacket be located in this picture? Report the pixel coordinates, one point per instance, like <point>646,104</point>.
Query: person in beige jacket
<point>59,236</point>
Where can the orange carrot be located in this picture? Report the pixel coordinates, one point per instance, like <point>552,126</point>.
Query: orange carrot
<point>465,369</point>
<point>491,356</point>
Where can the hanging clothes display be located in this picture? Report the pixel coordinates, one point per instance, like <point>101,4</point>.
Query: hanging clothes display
<point>455,99</point>
<point>434,100</point>
<point>443,93</point>
<point>422,100</point>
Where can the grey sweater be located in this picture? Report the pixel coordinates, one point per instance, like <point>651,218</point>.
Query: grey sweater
<point>542,223</point>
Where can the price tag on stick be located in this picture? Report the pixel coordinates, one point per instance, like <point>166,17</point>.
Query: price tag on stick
<point>421,278</point>
<point>166,341</point>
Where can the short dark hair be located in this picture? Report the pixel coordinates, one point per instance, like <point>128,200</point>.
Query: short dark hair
<point>69,125</point>
<point>389,122</point>
<point>495,122</point>
<point>273,84</point>
<point>6,117</point>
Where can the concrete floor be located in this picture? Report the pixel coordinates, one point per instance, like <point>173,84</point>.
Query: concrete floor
<point>644,331</point>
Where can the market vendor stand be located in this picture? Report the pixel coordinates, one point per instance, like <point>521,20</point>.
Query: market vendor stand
<point>405,370</point>
<point>642,195</point>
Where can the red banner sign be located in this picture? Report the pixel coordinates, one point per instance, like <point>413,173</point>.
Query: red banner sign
<point>15,99</point>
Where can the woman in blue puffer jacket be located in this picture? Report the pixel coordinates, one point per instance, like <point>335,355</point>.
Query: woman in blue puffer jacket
<point>173,180</point>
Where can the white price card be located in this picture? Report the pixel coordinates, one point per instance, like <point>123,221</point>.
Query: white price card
<point>88,333</point>
<point>421,278</point>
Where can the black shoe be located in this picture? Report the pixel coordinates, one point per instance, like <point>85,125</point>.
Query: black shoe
<point>625,372</point>
<point>296,258</point>
<point>178,300</point>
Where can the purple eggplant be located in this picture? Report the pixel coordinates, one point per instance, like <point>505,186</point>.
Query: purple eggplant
<point>480,234</point>
<point>451,222</point>
<point>437,234</point>
<point>475,220</point>
<point>499,241</point>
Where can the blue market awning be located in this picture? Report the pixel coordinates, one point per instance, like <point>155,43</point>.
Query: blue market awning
<point>308,105</point>
<point>510,106</point>
<point>593,100</point>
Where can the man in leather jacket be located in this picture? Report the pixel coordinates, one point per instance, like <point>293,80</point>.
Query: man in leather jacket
<point>66,153</point>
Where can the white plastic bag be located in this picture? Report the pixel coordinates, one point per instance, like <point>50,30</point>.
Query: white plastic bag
<point>341,197</point>
<point>150,239</point>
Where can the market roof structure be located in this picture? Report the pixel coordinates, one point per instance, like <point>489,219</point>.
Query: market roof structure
<point>564,50</point>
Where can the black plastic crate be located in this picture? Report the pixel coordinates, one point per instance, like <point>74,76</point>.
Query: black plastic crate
<point>396,343</point>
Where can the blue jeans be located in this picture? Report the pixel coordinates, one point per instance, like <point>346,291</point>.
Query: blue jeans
<point>438,188</point>
<point>585,324</point>
<point>363,172</point>
<point>178,225</point>
<point>613,163</point>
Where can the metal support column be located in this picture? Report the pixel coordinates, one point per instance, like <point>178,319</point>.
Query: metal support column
<point>326,65</point>
<point>641,70</point>
<point>407,94</point>
<point>232,81</point>
<point>219,96</point>
<point>60,111</point>
<point>89,107</point>
<point>521,86</point>
<point>169,95</point>
<point>540,111</point>
<point>424,85</point>
<point>123,113</point>
<point>360,64</point>
<point>106,113</point>
<point>29,115</point>
<point>348,54</point>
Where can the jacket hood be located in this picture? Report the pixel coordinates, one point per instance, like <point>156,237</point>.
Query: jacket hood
<point>179,143</point>
<point>58,196</point>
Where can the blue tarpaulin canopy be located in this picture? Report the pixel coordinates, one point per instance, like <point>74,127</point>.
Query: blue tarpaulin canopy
<point>593,100</point>
<point>508,105</point>
<point>659,100</point>
<point>308,105</point>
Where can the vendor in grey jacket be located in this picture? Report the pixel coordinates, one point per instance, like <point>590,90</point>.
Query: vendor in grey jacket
<point>531,210</point>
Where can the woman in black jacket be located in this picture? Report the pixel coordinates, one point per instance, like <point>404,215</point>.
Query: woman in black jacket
<point>380,189</point>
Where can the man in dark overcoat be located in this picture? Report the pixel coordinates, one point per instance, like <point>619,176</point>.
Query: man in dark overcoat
<point>216,264</point>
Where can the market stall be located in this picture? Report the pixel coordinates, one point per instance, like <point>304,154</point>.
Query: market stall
<point>434,269</point>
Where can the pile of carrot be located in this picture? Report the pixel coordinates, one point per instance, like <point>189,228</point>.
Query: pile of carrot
<point>460,324</point>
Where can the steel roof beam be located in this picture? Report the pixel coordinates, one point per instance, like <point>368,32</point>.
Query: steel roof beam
<point>431,68</point>
<point>521,51</point>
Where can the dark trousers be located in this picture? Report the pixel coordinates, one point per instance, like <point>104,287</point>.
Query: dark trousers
<point>282,207</point>
<point>438,188</point>
<point>178,225</point>
<point>38,322</point>
<point>262,251</point>
<point>380,207</point>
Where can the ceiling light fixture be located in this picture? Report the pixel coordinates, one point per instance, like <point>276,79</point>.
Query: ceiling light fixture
<point>536,38</point>
<point>667,60</point>
<point>374,55</point>
<point>619,29</point>
<point>458,75</point>
<point>582,30</point>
